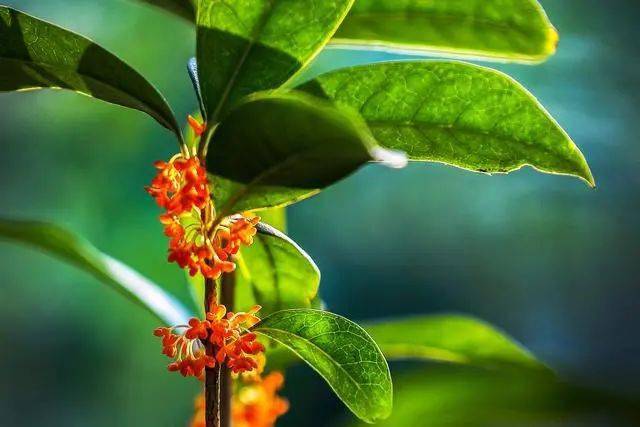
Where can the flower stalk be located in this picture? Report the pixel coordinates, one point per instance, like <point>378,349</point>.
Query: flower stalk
<point>227,298</point>
<point>212,375</point>
<point>218,381</point>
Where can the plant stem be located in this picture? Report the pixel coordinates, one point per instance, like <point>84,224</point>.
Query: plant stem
<point>227,297</point>
<point>218,382</point>
<point>212,396</point>
<point>212,375</point>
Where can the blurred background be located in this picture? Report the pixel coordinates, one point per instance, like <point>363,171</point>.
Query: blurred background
<point>551,262</point>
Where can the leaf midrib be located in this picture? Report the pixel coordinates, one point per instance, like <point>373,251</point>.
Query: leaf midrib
<point>449,127</point>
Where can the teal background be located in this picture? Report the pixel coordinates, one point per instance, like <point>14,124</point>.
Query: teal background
<point>550,261</point>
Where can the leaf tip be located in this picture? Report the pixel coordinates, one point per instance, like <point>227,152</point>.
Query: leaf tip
<point>591,182</point>
<point>553,39</point>
<point>586,175</point>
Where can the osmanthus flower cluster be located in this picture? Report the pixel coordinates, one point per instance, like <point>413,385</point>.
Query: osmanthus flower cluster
<point>199,241</point>
<point>203,243</point>
<point>226,332</point>
<point>255,404</point>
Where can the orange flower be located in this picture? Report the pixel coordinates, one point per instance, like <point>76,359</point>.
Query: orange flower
<point>240,230</point>
<point>240,353</point>
<point>193,365</point>
<point>209,253</point>
<point>180,185</point>
<point>232,344</point>
<point>256,404</point>
<point>197,240</point>
<point>190,357</point>
<point>198,329</point>
<point>199,417</point>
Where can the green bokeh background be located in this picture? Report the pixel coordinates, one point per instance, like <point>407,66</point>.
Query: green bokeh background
<point>546,259</point>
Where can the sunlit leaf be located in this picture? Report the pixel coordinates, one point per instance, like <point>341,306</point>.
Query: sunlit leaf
<point>461,396</point>
<point>454,113</point>
<point>341,352</point>
<point>449,338</point>
<point>63,244</point>
<point>181,8</point>
<point>503,29</point>
<point>254,45</point>
<point>275,217</point>
<point>275,273</point>
<point>295,146</point>
<point>36,55</point>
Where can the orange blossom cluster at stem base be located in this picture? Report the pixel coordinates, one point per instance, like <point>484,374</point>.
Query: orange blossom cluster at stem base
<point>227,332</point>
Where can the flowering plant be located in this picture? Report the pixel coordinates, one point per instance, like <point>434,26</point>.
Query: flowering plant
<point>263,139</point>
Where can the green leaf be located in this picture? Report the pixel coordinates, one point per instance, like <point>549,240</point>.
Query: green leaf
<point>295,146</point>
<point>275,273</point>
<point>276,217</point>
<point>516,30</point>
<point>449,338</point>
<point>59,242</point>
<point>254,45</point>
<point>455,113</point>
<point>341,352</point>
<point>181,8</point>
<point>36,55</point>
<point>452,396</point>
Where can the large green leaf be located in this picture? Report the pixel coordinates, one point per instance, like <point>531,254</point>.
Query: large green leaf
<point>276,273</point>
<point>63,244</point>
<point>341,352</point>
<point>35,55</point>
<point>254,45</point>
<point>454,113</point>
<point>295,146</point>
<point>504,29</point>
<point>449,338</point>
<point>182,8</point>
<point>454,396</point>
